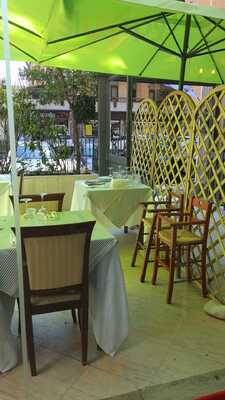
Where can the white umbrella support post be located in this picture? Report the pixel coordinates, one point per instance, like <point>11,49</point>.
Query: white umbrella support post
<point>15,191</point>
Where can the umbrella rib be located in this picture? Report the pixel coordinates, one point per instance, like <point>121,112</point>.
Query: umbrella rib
<point>205,36</point>
<point>99,40</point>
<point>214,23</point>
<point>156,52</point>
<point>105,28</point>
<point>149,41</point>
<point>22,51</point>
<point>206,53</point>
<point>24,29</point>
<point>172,33</point>
<point>80,47</point>
<point>207,45</point>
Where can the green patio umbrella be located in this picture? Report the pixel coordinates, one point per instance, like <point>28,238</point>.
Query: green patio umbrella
<point>158,39</point>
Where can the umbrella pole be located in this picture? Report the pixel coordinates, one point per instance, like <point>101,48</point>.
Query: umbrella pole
<point>184,53</point>
<point>15,190</point>
<point>129,124</point>
<point>103,124</point>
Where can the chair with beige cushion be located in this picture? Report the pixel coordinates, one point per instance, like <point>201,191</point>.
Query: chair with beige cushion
<point>183,236</point>
<point>50,201</point>
<point>173,203</point>
<point>56,264</point>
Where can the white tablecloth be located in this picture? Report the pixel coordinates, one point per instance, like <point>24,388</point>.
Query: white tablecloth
<point>5,190</point>
<point>111,207</point>
<point>108,302</point>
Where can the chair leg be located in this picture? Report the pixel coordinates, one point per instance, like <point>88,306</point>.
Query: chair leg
<point>30,344</point>
<point>203,271</point>
<point>171,275</point>
<point>79,318</point>
<point>188,264</point>
<point>156,261</point>
<point>140,239</point>
<point>73,312</point>
<point>84,335</point>
<point>178,269</point>
<point>147,252</point>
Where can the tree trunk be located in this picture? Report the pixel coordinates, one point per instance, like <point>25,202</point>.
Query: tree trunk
<point>76,141</point>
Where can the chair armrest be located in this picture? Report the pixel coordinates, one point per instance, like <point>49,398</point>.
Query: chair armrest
<point>190,223</point>
<point>153,203</point>
<point>164,211</point>
<point>164,217</point>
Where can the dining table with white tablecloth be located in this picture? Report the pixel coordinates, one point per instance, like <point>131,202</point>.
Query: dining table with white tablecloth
<point>112,207</point>
<point>108,302</point>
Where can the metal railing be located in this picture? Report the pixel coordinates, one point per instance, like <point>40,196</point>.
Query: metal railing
<point>118,146</point>
<point>31,162</point>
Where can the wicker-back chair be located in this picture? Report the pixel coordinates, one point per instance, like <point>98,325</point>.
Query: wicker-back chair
<point>174,202</point>
<point>182,235</point>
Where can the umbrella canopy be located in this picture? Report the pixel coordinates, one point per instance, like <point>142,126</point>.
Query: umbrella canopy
<point>158,39</point>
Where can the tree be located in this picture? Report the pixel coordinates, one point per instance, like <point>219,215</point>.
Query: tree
<point>34,127</point>
<point>25,121</point>
<point>57,85</point>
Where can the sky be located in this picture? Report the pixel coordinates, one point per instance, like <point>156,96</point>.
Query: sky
<point>14,71</point>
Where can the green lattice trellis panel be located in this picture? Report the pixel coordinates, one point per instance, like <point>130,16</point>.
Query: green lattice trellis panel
<point>143,140</point>
<point>207,180</point>
<point>173,143</point>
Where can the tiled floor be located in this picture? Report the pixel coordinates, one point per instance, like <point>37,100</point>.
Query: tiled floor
<point>165,343</point>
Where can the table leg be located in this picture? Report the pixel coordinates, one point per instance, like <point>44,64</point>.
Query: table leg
<point>125,229</point>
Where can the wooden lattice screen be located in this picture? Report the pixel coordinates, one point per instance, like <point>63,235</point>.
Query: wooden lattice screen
<point>207,180</point>
<point>185,150</point>
<point>145,126</point>
<point>173,141</point>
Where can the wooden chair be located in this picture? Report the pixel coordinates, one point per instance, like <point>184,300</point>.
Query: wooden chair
<point>174,203</point>
<point>55,270</point>
<point>179,236</point>
<point>51,201</point>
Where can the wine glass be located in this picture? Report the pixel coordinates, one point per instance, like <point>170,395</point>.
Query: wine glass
<point>126,172</point>
<point>120,172</point>
<point>26,200</point>
<point>110,172</point>
<point>12,239</point>
<point>157,194</point>
<point>42,209</point>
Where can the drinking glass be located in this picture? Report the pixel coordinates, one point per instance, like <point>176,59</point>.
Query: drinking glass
<point>110,172</point>
<point>136,178</point>
<point>26,200</point>
<point>126,172</point>
<point>157,194</point>
<point>12,239</point>
<point>120,171</point>
<point>42,209</point>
